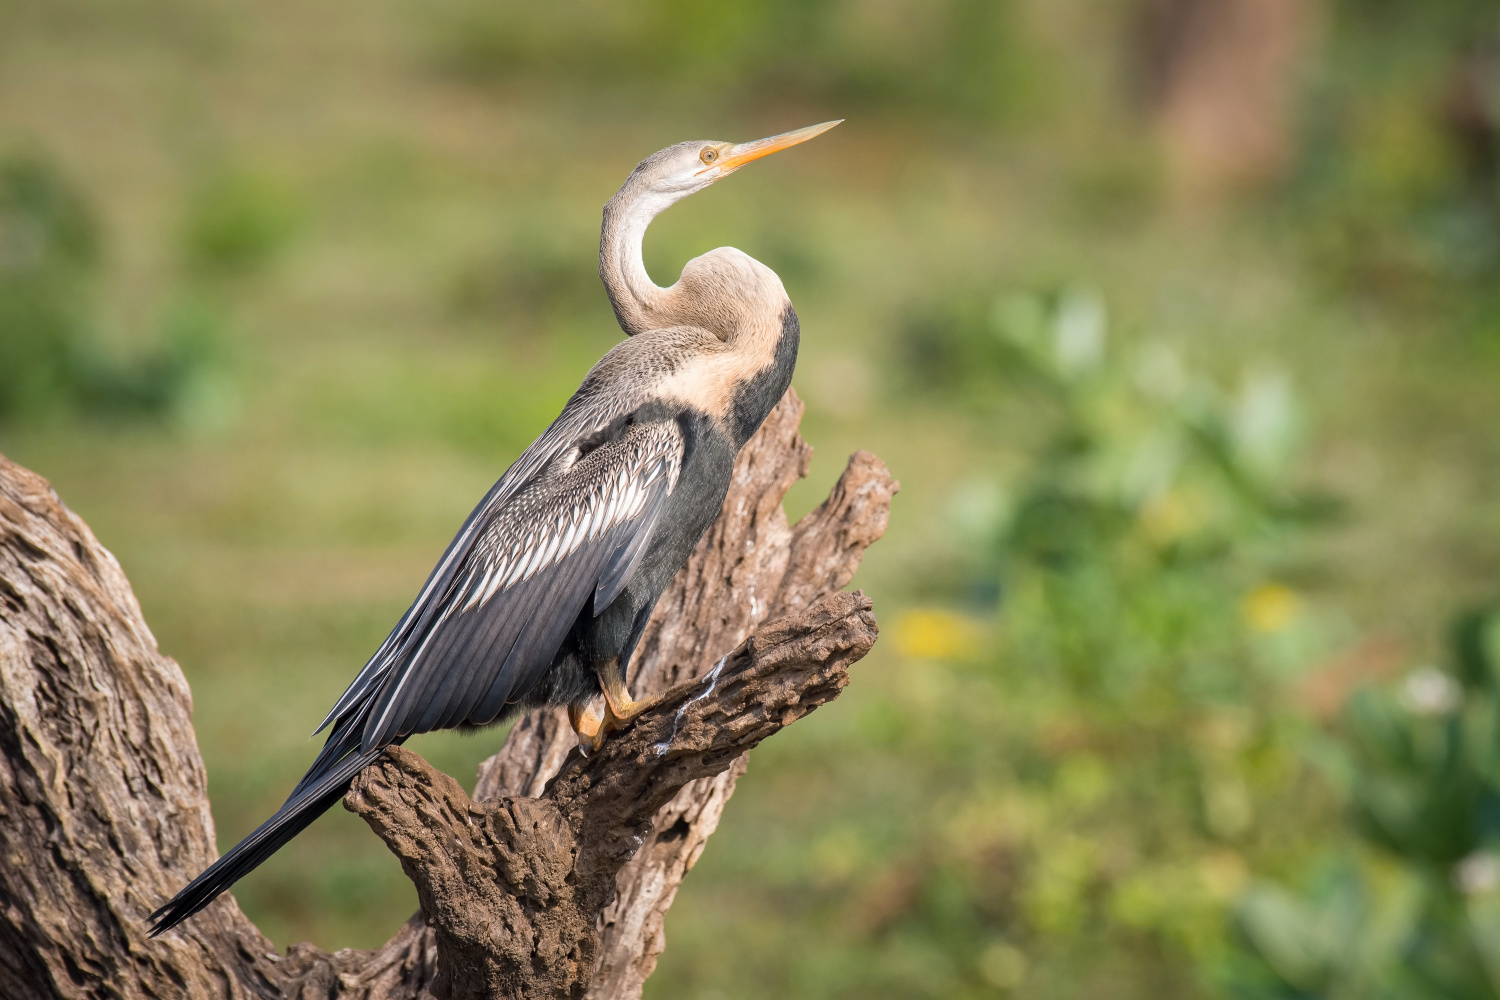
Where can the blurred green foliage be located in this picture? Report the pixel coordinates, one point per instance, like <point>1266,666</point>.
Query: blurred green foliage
<point>1415,910</point>
<point>953,57</point>
<point>1399,181</point>
<point>1127,734</point>
<point>1106,758</point>
<point>49,249</point>
<point>236,222</point>
<point>51,352</point>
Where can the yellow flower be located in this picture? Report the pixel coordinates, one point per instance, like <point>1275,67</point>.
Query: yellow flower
<point>1174,515</point>
<point>1270,607</point>
<point>935,634</point>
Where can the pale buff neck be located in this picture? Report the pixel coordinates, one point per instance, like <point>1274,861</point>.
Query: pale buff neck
<point>723,291</point>
<point>639,303</point>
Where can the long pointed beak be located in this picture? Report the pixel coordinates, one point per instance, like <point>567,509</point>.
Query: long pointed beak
<point>737,156</point>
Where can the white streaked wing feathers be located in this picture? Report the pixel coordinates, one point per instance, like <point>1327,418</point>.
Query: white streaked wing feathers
<point>551,519</point>
<point>592,408</point>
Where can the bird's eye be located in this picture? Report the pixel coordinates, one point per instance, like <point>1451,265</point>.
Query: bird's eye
<point>709,154</point>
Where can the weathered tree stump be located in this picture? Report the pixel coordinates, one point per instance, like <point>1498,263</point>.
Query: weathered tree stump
<point>552,882</point>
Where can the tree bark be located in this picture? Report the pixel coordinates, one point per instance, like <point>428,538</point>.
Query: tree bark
<point>553,881</point>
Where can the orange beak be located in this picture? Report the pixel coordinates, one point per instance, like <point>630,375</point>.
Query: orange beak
<point>737,156</point>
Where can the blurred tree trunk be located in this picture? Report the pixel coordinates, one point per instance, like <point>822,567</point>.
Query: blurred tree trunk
<point>1472,115</point>
<point>552,881</point>
<point>1220,77</point>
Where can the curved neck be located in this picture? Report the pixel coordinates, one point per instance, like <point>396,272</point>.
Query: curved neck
<point>724,291</point>
<point>639,303</point>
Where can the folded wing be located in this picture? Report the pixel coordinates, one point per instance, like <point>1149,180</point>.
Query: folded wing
<point>572,535</point>
<point>488,623</point>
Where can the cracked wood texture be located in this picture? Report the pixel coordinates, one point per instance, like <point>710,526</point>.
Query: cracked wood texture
<point>552,882</point>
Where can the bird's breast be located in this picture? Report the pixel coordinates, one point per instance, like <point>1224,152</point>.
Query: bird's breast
<point>737,381</point>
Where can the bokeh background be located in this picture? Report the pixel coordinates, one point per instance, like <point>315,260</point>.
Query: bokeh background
<point>1179,321</point>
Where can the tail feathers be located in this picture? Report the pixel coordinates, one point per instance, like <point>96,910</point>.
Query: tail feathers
<point>341,742</point>
<point>309,801</point>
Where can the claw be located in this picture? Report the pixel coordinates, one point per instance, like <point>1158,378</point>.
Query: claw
<point>588,726</point>
<point>614,721</point>
<point>619,710</point>
<point>606,725</point>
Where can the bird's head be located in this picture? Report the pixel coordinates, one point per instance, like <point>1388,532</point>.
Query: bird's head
<point>688,167</point>
<point>659,181</point>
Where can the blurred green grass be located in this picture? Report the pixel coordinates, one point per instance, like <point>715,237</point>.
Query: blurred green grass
<point>387,218</point>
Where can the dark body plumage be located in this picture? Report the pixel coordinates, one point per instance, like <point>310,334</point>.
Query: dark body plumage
<point>546,589</point>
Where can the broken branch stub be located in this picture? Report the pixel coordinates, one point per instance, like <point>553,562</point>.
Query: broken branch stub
<point>513,887</point>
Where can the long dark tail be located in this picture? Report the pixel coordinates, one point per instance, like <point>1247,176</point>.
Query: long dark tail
<point>323,785</point>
